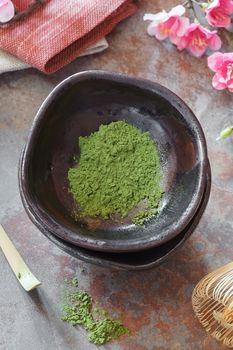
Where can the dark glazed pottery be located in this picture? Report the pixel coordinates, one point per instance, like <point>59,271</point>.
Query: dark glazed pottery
<point>77,107</point>
<point>137,260</point>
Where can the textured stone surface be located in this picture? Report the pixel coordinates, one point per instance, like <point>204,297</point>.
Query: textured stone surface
<point>154,304</point>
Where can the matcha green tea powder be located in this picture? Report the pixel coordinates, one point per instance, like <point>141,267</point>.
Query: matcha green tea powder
<point>119,168</point>
<point>79,311</point>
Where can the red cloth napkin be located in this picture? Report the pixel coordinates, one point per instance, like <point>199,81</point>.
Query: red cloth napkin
<point>59,31</point>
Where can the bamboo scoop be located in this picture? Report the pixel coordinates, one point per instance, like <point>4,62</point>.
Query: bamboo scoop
<point>20,269</point>
<point>213,303</point>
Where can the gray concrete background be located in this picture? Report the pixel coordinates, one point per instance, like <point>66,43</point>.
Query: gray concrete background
<point>156,304</point>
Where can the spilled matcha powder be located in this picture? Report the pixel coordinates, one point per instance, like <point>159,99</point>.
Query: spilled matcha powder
<point>118,170</point>
<point>79,310</point>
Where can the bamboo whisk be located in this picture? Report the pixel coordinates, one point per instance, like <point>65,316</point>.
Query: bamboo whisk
<point>212,301</point>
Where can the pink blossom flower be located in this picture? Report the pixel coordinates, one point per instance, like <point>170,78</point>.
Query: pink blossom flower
<point>198,39</point>
<point>218,13</point>
<point>167,24</point>
<point>7,10</point>
<point>222,65</point>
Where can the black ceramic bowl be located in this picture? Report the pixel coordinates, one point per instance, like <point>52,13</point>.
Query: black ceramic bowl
<point>137,260</point>
<point>77,107</point>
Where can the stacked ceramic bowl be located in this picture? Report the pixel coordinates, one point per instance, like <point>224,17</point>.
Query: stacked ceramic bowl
<point>77,107</point>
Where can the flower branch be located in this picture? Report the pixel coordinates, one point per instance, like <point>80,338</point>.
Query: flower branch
<point>196,38</point>
<point>225,133</point>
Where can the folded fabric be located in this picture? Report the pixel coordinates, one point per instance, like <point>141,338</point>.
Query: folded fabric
<point>10,63</point>
<point>60,30</point>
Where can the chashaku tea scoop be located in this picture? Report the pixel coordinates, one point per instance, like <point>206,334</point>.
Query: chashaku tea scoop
<point>18,266</point>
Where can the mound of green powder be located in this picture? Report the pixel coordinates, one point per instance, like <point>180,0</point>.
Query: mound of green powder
<point>78,310</point>
<point>119,168</point>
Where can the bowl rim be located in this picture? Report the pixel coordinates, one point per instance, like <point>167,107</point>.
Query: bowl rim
<point>44,221</point>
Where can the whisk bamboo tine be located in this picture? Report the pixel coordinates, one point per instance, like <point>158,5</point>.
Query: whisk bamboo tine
<point>212,301</point>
